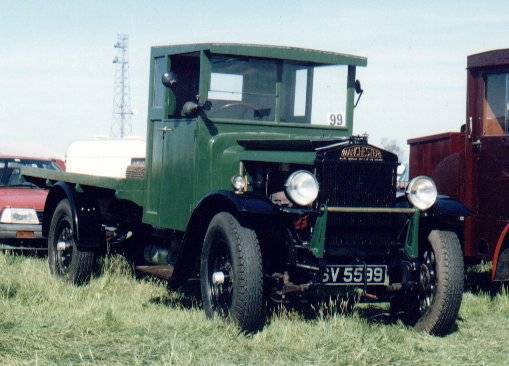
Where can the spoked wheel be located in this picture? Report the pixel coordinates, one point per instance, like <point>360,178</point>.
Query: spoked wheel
<point>434,305</point>
<point>66,260</point>
<point>231,273</point>
<point>427,281</point>
<point>220,276</point>
<point>65,246</point>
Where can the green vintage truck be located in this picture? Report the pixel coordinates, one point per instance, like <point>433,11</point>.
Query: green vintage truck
<point>255,190</point>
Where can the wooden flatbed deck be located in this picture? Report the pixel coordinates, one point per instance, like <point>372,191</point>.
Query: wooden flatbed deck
<point>127,189</point>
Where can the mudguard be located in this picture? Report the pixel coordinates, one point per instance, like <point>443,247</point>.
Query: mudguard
<point>500,269</point>
<point>241,205</point>
<point>447,206</point>
<point>245,203</point>
<point>58,192</point>
<point>444,206</point>
<point>86,216</point>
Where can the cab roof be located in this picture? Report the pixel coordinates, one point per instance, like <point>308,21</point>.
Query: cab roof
<point>498,57</point>
<point>265,51</point>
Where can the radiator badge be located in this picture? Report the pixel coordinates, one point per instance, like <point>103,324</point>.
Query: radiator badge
<point>361,153</point>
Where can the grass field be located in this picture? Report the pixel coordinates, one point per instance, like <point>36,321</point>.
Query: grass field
<point>117,319</point>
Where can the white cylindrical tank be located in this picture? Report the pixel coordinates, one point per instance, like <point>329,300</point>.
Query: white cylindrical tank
<point>105,157</point>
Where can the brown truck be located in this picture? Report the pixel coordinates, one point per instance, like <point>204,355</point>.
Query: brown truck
<point>472,165</point>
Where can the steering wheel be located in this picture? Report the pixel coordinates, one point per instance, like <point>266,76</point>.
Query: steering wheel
<point>235,104</point>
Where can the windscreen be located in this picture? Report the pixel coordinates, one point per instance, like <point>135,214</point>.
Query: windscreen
<point>10,170</point>
<point>263,90</point>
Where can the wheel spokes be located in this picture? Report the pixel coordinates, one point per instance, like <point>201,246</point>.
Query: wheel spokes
<point>220,278</point>
<point>428,279</point>
<point>64,249</point>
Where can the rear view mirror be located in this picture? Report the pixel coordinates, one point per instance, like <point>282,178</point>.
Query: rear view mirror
<point>169,79</point>
<point>358,87</point>
<point>191,109</point>
<point>358,90</point>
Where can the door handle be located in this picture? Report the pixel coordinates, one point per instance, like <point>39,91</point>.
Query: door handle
<point>165,129</point>
<point>477,145</point>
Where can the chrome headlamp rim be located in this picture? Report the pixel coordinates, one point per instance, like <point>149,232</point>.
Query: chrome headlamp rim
<point>238,183</point>
<point>413,192</point>
<point>301,198</point>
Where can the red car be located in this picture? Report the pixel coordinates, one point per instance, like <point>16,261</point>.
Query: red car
<point>22,203</point>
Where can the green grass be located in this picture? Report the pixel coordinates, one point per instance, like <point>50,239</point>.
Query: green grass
<point>119,320</point>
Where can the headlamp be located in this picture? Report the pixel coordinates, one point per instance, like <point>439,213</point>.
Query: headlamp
<point>422,192</point>
<point>302,188</point>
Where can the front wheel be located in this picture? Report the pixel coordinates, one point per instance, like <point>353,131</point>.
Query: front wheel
<point>433,307</point>
<point>66,260</point>
<point>231,273</point>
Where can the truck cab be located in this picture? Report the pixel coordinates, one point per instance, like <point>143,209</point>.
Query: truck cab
<point>472,165</point>
<point>255,188</point>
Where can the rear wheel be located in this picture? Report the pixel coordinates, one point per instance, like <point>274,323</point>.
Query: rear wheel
<point>231,273</point>
<point>66,260</point>
<point>433,307</point>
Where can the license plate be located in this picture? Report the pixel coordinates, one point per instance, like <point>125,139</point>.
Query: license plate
<point>355,275</point>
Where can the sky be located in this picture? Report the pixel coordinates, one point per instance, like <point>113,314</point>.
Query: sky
<point>56,70</point>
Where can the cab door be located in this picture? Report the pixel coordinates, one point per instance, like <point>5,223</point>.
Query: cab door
<point>177,173</point>
<point>172,136</point>
<point>492,148</point>
<point>157,129</point>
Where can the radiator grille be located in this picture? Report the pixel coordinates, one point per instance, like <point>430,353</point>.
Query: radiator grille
<point>359,184</point>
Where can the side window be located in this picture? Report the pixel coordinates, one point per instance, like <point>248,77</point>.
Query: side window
<point>329,96</point>
<point>186,68</point>
<point>296,93</point>
<point>158,92</point>
<point>496,105</point>
<point>296,96</point>
<point>301,87</point>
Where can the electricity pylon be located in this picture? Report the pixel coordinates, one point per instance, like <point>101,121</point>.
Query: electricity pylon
<point>122,112</point>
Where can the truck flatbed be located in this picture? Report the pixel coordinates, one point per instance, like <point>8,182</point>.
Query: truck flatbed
<point>125,188</point>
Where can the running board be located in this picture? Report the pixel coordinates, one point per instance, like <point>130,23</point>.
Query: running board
<point>13,247</point>
<point>163,272</point>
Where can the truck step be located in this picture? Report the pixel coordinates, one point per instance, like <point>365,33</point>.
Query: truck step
<point>163,271</point>
<point>13,247</point>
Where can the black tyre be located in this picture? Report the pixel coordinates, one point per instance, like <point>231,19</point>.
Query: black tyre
<point>434,306</point>
<point>65,259</point>
<point>231,273</point>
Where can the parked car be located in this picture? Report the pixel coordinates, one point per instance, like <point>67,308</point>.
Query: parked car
<point>22,203</point>
<point>472,165</point>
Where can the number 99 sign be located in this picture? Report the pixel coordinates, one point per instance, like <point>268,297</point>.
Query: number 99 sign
<point>336,119</point>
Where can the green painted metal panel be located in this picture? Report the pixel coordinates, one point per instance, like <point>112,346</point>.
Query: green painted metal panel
<point>178,174</point>
<point>350,96</point>
<point>317,242</point>
<point>266,51</point>
<point>130,189</point>
<point>153,167</point>
<point>412,238</point>
<point>75,178</point>
<point>292,157</point>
